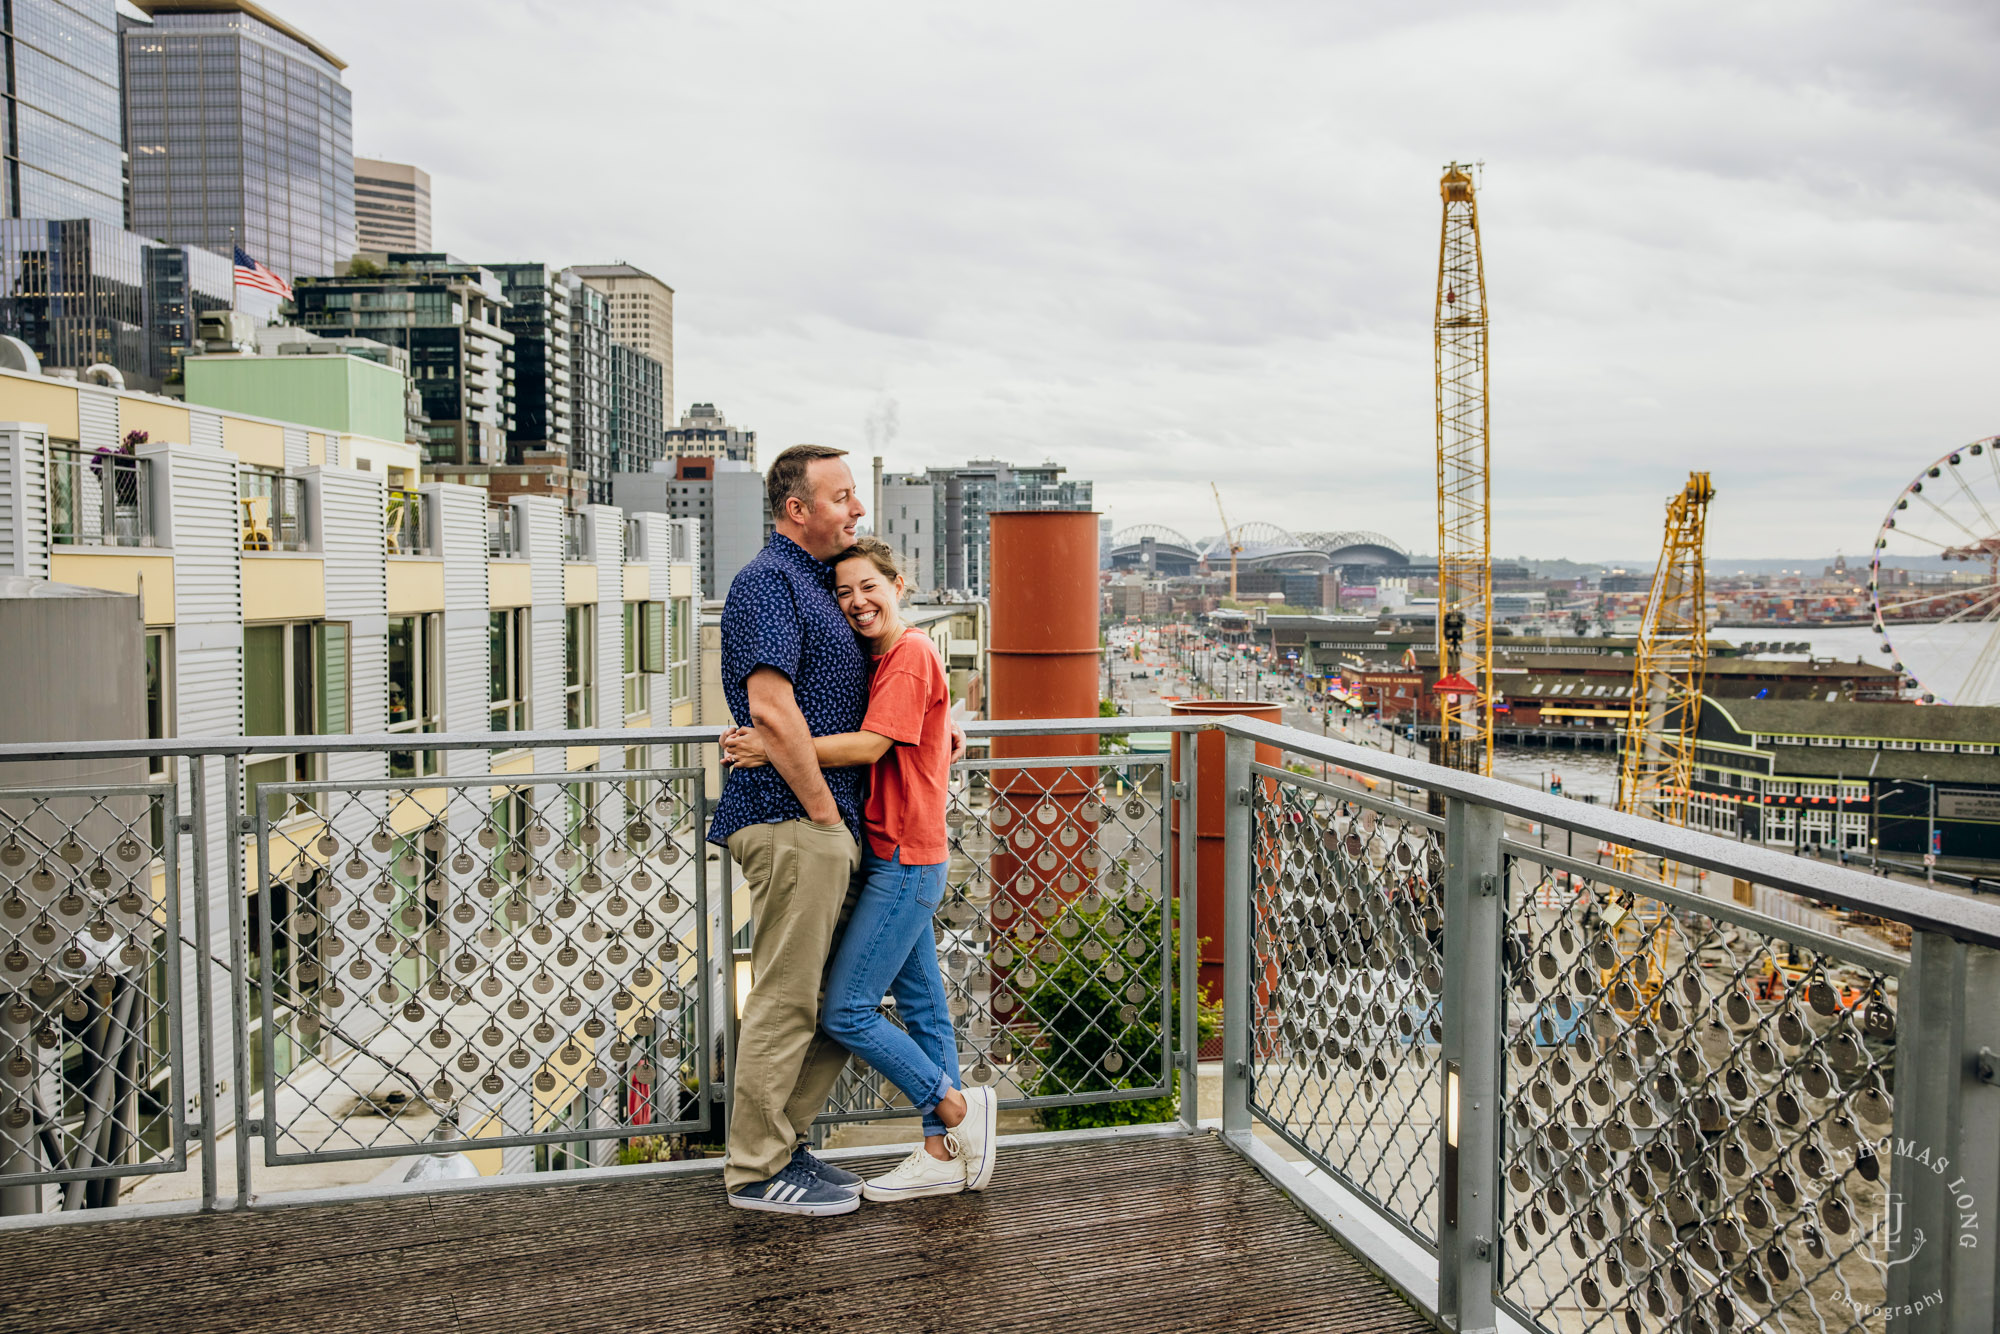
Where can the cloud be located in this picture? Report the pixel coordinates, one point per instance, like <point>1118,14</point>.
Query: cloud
<point>1173,243</point>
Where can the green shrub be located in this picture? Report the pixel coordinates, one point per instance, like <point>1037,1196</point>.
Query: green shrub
<point>1077,1011</point>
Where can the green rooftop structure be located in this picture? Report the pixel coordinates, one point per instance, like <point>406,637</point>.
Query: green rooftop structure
<point>336,393</point>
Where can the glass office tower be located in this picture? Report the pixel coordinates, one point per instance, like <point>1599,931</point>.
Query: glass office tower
<point>81,292</point>
<point>240,132</point>
<point>59,121</point>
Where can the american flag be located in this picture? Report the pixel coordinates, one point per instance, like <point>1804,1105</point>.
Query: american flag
<point>249,273</point>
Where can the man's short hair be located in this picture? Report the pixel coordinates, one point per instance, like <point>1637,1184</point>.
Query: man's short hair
<point>788,476</point>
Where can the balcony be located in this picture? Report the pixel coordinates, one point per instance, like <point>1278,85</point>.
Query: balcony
<point>273,510</point>
<point>503,536</point>
<point>1462,1076</point>
<point>100,499</point>
<point>409,532</point>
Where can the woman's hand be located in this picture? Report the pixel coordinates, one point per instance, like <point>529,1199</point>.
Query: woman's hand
<point>742,748</point>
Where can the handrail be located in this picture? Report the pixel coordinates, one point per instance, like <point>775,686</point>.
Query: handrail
<point>1921,906</point>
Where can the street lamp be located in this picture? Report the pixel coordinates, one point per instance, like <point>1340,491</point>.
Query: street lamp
<point>1930,823</point>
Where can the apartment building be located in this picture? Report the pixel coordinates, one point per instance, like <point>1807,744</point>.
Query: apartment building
<point>230,526</point>
<point>449,316</point>
<point>288,592</point>
<point>727,498</point>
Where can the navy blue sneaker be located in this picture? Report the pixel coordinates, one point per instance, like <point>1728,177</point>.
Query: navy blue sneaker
<point>795,1190</point>
<point>825,1171</point>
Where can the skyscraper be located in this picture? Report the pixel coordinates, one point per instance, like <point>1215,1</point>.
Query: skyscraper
<point>82,292</point>
<point>240,133</point>
<point>392,205</point>
<point>61,79</point>
<point>640,312</point>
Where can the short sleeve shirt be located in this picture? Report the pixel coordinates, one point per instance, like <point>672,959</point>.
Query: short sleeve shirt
<point>780,613</point>
<point>909,702</point>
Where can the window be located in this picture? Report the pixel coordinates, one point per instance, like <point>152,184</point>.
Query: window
<point>579,674</point>
<point>1858,743</point>
<point>1826,741</point>
<point>1973,749</point>
<point>415,691</point>
<point>1945,746</point>
<point>680,633</point>
<point>1776,789</point>
<point>294,684</point>
<point>1817,791</point>
<point>1904,745</point>
<point>634,666</point>
<point>159,697</point>
<point>507,647</point>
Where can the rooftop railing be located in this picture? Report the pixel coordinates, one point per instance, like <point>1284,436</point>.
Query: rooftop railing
<point>99,498</point>
<point>1517,1082</point>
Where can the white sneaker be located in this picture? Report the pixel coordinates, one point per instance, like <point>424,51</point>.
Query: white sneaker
<point>975,1135</point>
<point>917,1176</point>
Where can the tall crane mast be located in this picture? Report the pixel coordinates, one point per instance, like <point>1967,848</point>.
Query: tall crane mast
<point>1228,539</point>
<point>1464,487</point>
<point>1656,766</point>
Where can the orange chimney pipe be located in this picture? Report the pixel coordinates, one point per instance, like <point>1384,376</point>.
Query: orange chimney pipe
<point>1043,650</point>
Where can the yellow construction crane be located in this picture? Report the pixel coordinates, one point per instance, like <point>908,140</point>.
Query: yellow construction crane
<point>1228,539</point>
<point>1464,489</point>
<point>1656,766</point>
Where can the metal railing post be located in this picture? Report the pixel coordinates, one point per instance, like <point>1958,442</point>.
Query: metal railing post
<point>1474,1000</point>
<point>1944,1162</point>
<point>204,972</point>
<point>1189,973</point>
<point>1237,852</point>
<point>239,970</point>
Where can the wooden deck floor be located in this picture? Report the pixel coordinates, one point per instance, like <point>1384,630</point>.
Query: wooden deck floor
<point>1085,1238</point>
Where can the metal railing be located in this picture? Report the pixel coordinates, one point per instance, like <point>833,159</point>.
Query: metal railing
<point>409,531</point>
<point>272,511</point>
<point>100,498</point>
<point>1513,1080</point>
<point>1594,1100</point>
<point>503,537</point>
<point>508,963</point>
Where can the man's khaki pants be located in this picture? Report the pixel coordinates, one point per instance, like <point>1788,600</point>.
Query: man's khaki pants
<point>798,874</point>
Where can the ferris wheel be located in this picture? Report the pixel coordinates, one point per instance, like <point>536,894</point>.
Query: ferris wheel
<point>1934,579</point>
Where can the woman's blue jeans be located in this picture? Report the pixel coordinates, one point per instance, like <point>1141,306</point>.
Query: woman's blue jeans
<point>888,949</point>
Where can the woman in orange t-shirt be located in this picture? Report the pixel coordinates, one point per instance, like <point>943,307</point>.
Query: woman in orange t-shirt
<point>887,947</point>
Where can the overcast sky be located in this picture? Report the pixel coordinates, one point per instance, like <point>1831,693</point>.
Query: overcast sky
<point>1167,244</point>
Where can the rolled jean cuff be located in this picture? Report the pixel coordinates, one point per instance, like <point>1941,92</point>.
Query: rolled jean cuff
<point>933,1126</point>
